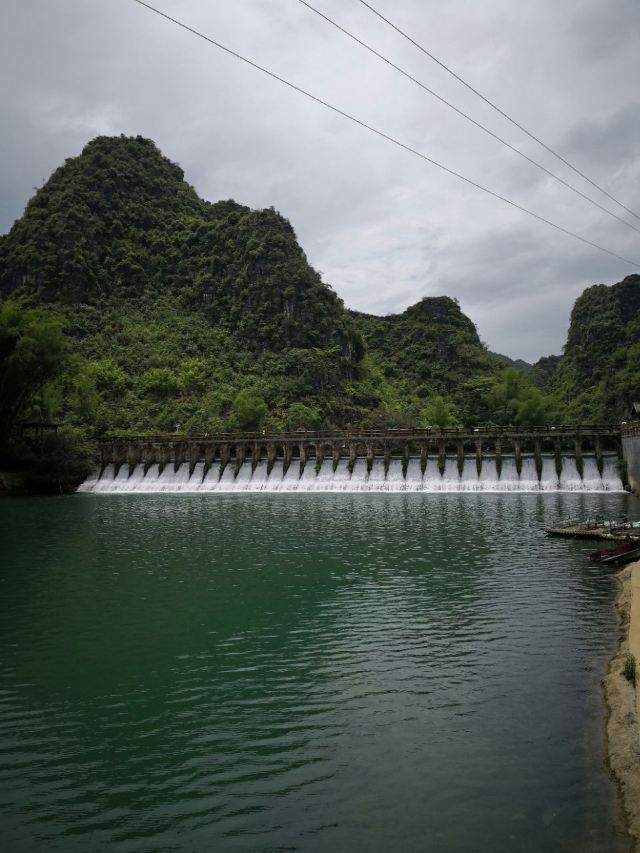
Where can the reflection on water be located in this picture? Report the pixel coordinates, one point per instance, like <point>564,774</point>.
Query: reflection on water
<point>303,673</point>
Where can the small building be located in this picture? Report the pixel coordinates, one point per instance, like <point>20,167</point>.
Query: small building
<point>36,426</point>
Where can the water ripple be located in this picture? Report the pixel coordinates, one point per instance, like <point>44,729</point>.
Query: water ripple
<point>311,672</point>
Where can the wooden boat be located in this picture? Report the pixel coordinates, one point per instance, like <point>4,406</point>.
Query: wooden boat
<point>623,553</point>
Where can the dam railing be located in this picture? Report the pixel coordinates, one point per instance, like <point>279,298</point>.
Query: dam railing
<point>408,434</point>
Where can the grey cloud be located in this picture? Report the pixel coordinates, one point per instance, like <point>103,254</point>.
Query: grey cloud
<point>612,145</point>
<point>385,228</point>
<point>602,28</point>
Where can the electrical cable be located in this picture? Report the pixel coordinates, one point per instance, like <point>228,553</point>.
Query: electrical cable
<point>497,108</point>
<point>467,116</point>
<point>382,134</point>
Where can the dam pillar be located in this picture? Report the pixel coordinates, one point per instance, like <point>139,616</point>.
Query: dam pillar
<point>442,455</point>
<point>255,457</point>
<point>370,455</point>
<point>195,455</point>
<point>498,458</point>
<point>179,453</point>
<point>460,457</point>
<point>225,453</point>
<point>423,458</point>
<point>148,456</point>
<point>335,455</point>
<point>598,450</point>
<point>387,458</point>
<point>272,453</point>
<point>479,456</point>
<point>288,454</point>
<point>134,455</point>
<point>557,451</point>
<point>303,457</point>
<point>119,457</point>
<point>405,459</point>
<point>537,454</point>
<point>517,449</point>
<point>163,456</point>
<point>579,460</point>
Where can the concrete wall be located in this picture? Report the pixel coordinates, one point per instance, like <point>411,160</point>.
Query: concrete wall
<point>631,454</point>
<point>226,448</point>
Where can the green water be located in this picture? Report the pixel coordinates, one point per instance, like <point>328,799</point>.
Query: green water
<point>303,673</point>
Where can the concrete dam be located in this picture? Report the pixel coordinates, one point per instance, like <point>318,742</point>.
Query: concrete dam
<point>548,459</point>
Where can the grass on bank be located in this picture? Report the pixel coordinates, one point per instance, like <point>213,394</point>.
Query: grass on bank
<point>629,668</point>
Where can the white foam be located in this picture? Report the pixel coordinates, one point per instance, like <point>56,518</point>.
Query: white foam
<point>361,479</point>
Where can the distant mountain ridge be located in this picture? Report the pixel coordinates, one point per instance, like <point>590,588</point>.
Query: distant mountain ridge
<point>517,363</point>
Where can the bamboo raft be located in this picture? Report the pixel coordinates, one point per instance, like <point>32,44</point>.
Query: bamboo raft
<point>619,529</point>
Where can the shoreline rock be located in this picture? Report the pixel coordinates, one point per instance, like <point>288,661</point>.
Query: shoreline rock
<point>622,728</point>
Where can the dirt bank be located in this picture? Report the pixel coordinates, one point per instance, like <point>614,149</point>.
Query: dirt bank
<point>623,732</point>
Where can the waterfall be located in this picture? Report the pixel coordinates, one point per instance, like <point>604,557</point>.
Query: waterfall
<point>365,476</point>
<point>610,473</point>
<point>549,481</point>
<point>91,483</point>
<point>570,479</point>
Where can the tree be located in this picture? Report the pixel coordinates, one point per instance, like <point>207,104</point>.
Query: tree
<point>248,410</point>
<point>299,416</point>
<point>518,401</point>
<point>531,409</point>
<point>160,382</point>
<point>194,375</point>
<point>32,352</point>
<point>440,413</point>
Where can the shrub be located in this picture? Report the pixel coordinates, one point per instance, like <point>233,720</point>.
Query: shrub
<point>248,411</point>
<point>629,669</point>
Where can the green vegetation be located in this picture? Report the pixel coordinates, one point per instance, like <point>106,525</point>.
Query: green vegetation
<point>33,357</point>
<point>131,305</point>
<point>629,669</point>
<point>248,411</point>
<point>32,349</point>
<point>598,376</point>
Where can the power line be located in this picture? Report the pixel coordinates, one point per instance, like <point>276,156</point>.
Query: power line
<point>496,107</point>
<point>466,115</point>
<point>381,133</point>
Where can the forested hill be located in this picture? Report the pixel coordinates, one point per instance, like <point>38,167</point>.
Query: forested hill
<point>431,348</point>
<point>120,223</point>
<point>129,303</point>
<point>181,313</point>
<point>598,376</point>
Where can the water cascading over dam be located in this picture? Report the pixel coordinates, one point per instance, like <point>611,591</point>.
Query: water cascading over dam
<point>420,461</point>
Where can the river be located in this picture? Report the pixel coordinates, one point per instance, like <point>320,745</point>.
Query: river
<point>304,672</point>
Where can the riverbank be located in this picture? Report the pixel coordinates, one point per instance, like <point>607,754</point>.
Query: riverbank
<point>27,484</point>
<point>52,465</point>
<point>623,731</point>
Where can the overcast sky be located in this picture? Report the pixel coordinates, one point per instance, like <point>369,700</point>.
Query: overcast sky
<point>384,227</point>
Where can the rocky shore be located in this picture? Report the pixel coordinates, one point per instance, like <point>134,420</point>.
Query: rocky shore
<point>623,731</point>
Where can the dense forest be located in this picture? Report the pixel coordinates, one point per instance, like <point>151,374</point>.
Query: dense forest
<point>127,303</point>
